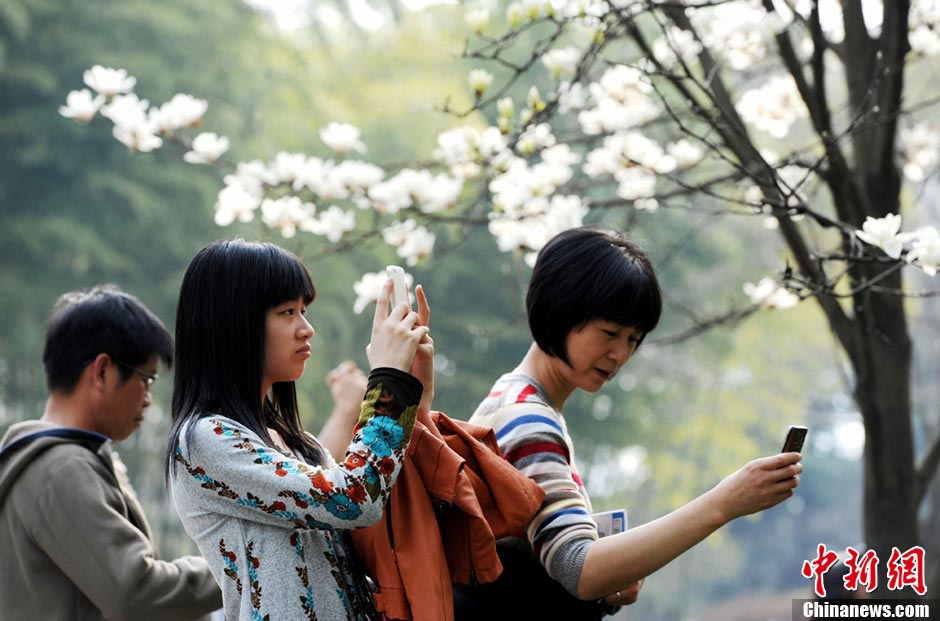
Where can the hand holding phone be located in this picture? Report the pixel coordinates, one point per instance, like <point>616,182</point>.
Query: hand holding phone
<point>796,435</point>
<point>399,288</point>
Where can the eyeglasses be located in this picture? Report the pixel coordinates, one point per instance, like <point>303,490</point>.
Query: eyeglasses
<point>149,378</point>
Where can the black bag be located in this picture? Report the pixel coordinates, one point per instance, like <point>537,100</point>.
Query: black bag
<point>523,591</point>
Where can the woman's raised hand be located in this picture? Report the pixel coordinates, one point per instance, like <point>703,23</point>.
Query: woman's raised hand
<point>396,334</point>
<point>759,484</point>
<point>423,365</point>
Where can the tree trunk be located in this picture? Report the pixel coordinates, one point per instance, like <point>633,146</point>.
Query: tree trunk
<point>882,363</point>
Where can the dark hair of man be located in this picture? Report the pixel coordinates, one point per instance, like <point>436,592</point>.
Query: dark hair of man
<point>220,329</point>
<point>585,274</point>
<point>102,320</point>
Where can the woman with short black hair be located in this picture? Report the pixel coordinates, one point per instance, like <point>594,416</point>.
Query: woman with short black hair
<point>592,299</point>
<point>264,500</point>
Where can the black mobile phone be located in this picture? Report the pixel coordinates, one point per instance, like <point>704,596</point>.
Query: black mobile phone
<point>795,437</point>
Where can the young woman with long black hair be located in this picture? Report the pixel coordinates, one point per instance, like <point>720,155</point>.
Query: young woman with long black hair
<point>264,500</point>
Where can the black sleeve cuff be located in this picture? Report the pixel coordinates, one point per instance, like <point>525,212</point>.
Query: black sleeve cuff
<point>400,391</point>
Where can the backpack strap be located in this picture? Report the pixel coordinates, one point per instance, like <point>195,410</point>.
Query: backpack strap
<point>89,439</point>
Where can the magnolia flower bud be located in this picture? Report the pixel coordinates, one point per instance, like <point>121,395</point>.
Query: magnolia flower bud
<point>505,107</point>
<point>478,19</point>
<point>479,80</point>
<point>534,101</point>
<point>514,14</point>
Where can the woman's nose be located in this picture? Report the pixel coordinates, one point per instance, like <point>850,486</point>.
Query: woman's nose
<point>306,328</point>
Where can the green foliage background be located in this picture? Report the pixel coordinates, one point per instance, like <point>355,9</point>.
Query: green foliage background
<point>76,209</point>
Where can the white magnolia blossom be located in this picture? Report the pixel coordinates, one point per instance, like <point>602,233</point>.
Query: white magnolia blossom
<point>533,9</point>
<point>769,294</point>
<point>466,149</point>
<point>505,107</point>
<point>685,153</point>
<point>357,176</point>
<point>754,196</point>
<point>181,111</point>
<point>477,19</point>
<point>253,176</point>
<point>560,155</point>
<point>440,193</point>
<point>520,182</point>
<point>925,249</point>
<point>675,44</point>
<point>287,214</point>
<point>534,138</point>
<point>236,202</point>
<point>924,40</point>
<point>132,126</point>
<point>621,101</point>
<point>534,101</point>
<point>740,31</point>
<point>207,148</point>
<point>883,233</point>
<point>646,204</point>
<point>342,138</point>
<point>318,175</point>
<point>287,167</point>
<point>635,183</point>
<point>562,61</point>
<point>772,107</point>
<point>127,110</point>
<point>920,147</point>
<point>479,80</point>
<point>529,227</point>
<point>413,242</point>
<point>571,96</point>
<point>368,288</point>
<point>514,14</point>
<point>332,223</point>
<point>109,82</point>
<point>81,106</point>
<point>632,159</point>
<point>137,137</point>
<point>410,187</point>
<point>924,27</point>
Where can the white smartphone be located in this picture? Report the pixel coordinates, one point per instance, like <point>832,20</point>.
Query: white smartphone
<point>399,288</point>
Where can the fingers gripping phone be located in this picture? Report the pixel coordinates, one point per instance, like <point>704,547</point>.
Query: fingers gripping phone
<point>796,435</point>
<point>399,288</point>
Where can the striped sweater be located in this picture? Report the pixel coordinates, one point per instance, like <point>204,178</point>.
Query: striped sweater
<point>533,436</point>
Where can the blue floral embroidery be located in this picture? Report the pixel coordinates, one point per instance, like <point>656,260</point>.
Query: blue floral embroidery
<point>371,476</point>
<point>342,507</point>
<point>383,435</point>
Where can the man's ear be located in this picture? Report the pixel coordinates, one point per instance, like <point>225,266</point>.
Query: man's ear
<point>98,370</point>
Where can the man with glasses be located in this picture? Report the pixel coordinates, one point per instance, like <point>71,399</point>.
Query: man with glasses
<point>75,541</point>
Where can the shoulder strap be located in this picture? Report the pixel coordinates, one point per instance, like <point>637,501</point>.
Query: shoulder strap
<point>88,439</point>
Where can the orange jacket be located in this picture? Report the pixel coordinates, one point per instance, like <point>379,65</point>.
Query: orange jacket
<point>455,495</point>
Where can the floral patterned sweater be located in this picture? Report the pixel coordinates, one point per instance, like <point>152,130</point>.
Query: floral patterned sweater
<point>272,527</point>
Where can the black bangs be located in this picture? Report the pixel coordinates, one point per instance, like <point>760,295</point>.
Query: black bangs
<point>287,278</point>
<point>583,274</point>
<point>633,300</point>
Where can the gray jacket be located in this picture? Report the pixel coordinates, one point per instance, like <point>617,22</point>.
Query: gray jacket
<point>75,542</point>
